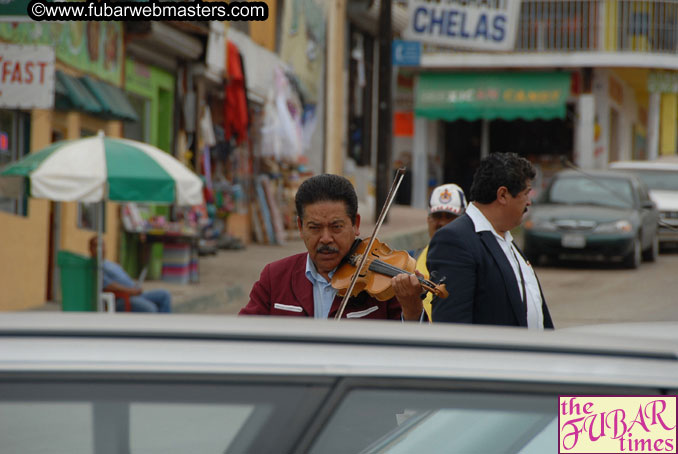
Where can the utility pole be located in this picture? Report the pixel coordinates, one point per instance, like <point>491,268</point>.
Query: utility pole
<point>335,112</point>
<point>384,132</point>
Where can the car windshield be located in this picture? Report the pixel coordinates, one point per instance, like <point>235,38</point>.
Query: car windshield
<point>611,192</point>
<point>403,422</point>
<point>662,180</point>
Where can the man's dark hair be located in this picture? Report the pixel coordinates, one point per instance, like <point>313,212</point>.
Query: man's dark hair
<point>327,188</point>
<point>500,169</point>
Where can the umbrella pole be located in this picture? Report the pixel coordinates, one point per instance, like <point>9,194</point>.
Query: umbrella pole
<point>100,265</point>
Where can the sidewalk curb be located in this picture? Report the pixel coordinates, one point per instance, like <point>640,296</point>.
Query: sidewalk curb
<point>225,300</point>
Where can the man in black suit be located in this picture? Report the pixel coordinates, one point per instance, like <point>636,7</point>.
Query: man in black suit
<point>489,280</point>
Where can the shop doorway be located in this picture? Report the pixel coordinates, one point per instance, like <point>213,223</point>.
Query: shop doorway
<point>461,152</point>
<point>613,151</point>
<point>53,276</point>
<point>543,142</point>
<point>53,289</point>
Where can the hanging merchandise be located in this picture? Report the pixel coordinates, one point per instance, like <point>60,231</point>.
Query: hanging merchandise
<point>215,55</point>
<point>207,167</point>
<point>207,132</point>
<point>282,132</point>
<point>188,99</point>
<point>206,128</point>
<point>235,99</point>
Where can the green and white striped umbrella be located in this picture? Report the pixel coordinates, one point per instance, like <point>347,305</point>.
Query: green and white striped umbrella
<point>99,168</point>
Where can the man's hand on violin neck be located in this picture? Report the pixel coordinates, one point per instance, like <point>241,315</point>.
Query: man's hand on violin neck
<point>408,291</point>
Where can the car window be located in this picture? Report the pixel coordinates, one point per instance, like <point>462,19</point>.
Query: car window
<point>149,418</point>
<point>403,422</point>
<point>661,180</point>
<point>643,192</point>
<point>612,192</point>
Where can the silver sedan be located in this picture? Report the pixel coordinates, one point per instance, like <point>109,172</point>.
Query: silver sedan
<point>132,383</point>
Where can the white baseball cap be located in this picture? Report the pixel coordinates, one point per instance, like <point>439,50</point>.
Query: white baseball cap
<point>448,197</point>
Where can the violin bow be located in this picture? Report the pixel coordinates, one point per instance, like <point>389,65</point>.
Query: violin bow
<point>400,173</point>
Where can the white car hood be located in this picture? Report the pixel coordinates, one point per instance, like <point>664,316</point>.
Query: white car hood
<point>665,200</point>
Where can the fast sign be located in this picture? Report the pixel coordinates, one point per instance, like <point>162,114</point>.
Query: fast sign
<point>26,77</point>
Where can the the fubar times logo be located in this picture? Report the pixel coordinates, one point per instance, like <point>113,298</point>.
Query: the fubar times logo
<point>617,424</point>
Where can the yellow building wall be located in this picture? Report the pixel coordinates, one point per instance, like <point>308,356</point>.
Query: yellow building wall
<point>24,250</point>
<point>636,78</point>
<point>668,124</point>
<point>263,32</point>
<point>611,15</point>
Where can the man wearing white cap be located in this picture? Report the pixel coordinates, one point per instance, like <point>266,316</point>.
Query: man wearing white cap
<point>447,204</point>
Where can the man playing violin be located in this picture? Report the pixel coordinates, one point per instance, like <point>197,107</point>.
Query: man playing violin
<point>299,285</point>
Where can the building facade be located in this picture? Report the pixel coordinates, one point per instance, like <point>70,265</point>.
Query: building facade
<point>590,81</point>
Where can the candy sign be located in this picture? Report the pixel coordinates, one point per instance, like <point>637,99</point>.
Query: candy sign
<point>26,77</point>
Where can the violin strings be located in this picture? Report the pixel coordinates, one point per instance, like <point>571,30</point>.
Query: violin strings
<point>386,268</point>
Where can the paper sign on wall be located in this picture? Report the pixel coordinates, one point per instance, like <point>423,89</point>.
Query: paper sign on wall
<point>26,77</point>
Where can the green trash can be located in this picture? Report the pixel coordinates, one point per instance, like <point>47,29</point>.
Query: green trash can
<point>155,261</point>
<point>78,281</point>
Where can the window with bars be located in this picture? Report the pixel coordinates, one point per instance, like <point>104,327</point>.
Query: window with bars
<point>597,25</point>
<point>14,144</point>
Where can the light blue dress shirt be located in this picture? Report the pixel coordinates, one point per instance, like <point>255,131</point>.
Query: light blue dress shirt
<point>323,292</point>
<point>112,272</point>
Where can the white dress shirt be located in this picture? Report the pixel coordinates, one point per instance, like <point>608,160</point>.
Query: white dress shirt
<point>535,315</point>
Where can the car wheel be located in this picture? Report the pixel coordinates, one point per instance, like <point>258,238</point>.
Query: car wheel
<point>633,258</point>
<point>651,253</point>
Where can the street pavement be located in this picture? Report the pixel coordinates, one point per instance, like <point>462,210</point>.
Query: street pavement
<point>577,293</point>
<point>227,277</point>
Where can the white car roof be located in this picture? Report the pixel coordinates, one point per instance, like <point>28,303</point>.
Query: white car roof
<point>661,164</point>
<point>198,344</point>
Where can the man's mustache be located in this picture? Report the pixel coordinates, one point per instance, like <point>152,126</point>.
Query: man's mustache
<point>325,249</point>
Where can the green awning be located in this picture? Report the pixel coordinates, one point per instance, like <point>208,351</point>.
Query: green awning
<point>91,96</point>
<point>71,94</point>
<point>113,99</point>
<point>509,96</point>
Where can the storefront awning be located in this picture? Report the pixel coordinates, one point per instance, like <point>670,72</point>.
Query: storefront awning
<point>113,100</point>
<point>73,95</point>
<point>93,97</point>
<point>509,96</point>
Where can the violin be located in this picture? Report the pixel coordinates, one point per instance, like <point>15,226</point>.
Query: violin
<point>375,277</point>
<point>382,263</point>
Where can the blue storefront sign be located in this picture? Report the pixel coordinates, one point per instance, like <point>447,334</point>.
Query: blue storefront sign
<point>406,53</point>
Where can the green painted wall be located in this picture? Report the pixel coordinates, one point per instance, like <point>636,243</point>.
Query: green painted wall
<point>157,86</point>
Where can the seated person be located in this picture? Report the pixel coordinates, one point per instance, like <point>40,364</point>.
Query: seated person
<point>115,279</point>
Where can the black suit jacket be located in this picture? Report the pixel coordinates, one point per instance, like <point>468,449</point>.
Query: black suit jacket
<point>482,285</point>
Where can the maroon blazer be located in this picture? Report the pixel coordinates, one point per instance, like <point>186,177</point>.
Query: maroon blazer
<point>283,289</point>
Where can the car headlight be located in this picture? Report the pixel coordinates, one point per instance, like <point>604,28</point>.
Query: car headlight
<point>614,227</point>
<point>540,224</point>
